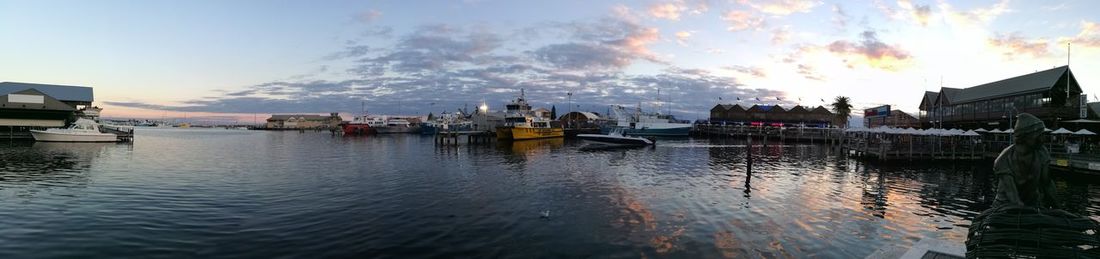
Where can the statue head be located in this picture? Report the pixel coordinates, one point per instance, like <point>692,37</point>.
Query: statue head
<point>1028,131</point>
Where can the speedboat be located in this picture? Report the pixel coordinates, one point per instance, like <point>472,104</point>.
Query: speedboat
<point>616,137</point>
<point>83,130</point>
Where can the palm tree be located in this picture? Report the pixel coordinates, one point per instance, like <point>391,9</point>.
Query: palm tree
<point>843,108</point>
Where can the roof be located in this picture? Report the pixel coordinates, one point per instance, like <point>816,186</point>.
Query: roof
<point>64,93</point>
<point>948,94</point>
<point>305,116</point>
<point>1095,107</point>
<point>822,109</point>
<point>1042,80</point>
<point>929,98</point>
<point>587,115</point>
<point>798,108</point>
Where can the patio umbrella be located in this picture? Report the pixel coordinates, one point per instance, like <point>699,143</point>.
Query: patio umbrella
<point>980,130</point>
<point>1084,132</point>
<point>996,131</point>
<point>1062,131</point>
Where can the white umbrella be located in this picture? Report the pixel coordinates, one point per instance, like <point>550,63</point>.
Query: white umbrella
<point>1047,130</point>
<point>1009,131</point>
<point>1062,131</point>
<point>1084,132</point>
<point>981,130</point>
<point>996,131</point>
<point>971,133</point>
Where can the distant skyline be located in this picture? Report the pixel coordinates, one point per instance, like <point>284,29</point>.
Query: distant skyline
<point>233,59</point>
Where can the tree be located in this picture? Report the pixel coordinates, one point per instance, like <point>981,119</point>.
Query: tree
<point>842,106</point>
<point>553,112</point>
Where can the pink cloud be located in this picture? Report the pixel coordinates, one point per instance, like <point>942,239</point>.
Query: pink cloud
<point>739,20</point>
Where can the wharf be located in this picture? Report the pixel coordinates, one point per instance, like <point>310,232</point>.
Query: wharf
<point>823,135</point>
<point>451,138</point>
<point>124,133</point>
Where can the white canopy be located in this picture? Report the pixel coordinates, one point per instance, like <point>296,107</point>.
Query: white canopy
<point>971,133</point>
<point>1047,130</point>
<point>1084,132</point>
<point>1009,131</point>
<point>996,131</point>
<point>981,130</point>
<point>1062,131</point>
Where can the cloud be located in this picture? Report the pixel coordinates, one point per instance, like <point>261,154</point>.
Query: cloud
<point>668,11</point>
<point>921,14</point>
<point>976,15</point>
<point>749,70</point>
<point>368,16</point>
<point>1088,37</point>
<point>840,17</point>
<point>809,72</point>
<point>742,20</point>
<point>870,51</point>
<point>780,35</point>
<point>781,7</point>
<point>577,56</point>
<point>715,51</point>
<point>1014,45</point>
<point>682,37</point>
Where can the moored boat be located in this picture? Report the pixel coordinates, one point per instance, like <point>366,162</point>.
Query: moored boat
<point>537,128</point>
<point>398,125</point>
<point>517,112</point>
<point>643,124</point>
<point>83,130</point>
<point>616,137</point>
<point>360,125</point>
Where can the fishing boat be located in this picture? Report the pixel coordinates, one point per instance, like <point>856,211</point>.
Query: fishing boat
<point>83,130</point>
<point>616,137</point>
<point>516,113</point>
<point>647,124</point>
<point>398,125</point>
<point>361,125</point>
<point>537,128</point>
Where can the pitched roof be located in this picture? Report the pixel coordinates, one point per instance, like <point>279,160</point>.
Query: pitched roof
<point>1095,107</point>
<point>798,108</point>
<point>64,93</point>
<point>929,98</point>
<point>1042,80</point>
<point>304,116</point>
<point>948,94</point>
<point>822,109</point>
<point>737,107</point>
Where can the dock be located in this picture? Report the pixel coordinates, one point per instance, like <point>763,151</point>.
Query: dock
<point>452,138</point>
<point>124,133</point>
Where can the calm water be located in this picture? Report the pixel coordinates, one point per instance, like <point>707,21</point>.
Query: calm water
<point>222,193</point>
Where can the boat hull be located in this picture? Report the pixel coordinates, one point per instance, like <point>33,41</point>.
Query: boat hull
<point>396,130</point>
<point>504,133</point>
<point>357,129</point>
<point>521,133</point>
<point>666,132</point>
<point>67,137</point>
<point>614,139</point>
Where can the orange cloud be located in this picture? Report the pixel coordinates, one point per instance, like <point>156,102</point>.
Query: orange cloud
<point>742,20</point>
<point>781,7</point>
<point>669,11</point>
<point>871,52</point>
<point>1089,36</point>
<point>780,35</point>
<point>1015,45</point>
<point>682,37</point>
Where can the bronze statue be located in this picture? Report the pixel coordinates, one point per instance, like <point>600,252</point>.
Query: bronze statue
<point>1022,173</point>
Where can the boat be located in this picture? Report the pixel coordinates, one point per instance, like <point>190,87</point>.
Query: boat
<point>616,137</point>
<point>83,130</point>
<point>647,124</point>
<point>537,128</point>
<point>361,125</point>
<point>397,125</point>
<point>515,113</point>
<point>447,122</point>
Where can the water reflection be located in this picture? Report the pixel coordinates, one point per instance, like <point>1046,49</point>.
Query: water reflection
<point>30,167</point>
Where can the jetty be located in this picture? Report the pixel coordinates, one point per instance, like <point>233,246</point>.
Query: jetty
<point>451,138</point>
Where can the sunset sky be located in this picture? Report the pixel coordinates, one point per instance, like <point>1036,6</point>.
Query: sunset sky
<point>239,58</point>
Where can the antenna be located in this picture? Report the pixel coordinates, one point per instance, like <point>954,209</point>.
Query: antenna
<point>1069,50</point>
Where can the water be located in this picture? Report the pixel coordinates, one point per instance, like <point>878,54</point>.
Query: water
<point>223,193</point>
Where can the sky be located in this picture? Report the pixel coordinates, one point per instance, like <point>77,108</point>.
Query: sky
<point>236,60</point>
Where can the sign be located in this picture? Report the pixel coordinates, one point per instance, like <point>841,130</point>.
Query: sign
<point>26,98</point>
<point>1084,106</point>
<point>877,111</point>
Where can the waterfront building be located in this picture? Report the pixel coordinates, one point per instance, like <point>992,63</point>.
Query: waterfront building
<point>303,121</point>
<point>896,119</point>
<point>772,115</point>
<point>1052,95</point>
<point>579,119</point>
<point>26,106</point>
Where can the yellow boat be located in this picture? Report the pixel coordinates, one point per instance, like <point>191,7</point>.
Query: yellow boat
<point>537,129</point>
<point>504,132</point>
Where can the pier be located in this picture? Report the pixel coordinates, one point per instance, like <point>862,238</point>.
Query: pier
<point>451,138</point>
<point>806,134</point>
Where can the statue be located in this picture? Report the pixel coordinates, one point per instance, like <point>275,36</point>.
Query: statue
<point>1022,169</point>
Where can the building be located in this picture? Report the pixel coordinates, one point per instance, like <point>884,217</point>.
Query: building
<point>897,119</point>
<point>578,119</point>
<point>772,115</point>
<point>303,121</point>
<point>25,106</point>
<point>1053,95</point>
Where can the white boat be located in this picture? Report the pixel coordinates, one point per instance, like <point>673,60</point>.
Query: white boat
<point>83,130</point>
<point>616,137</point>
<point>646,124</point>
<point>397,125</point>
